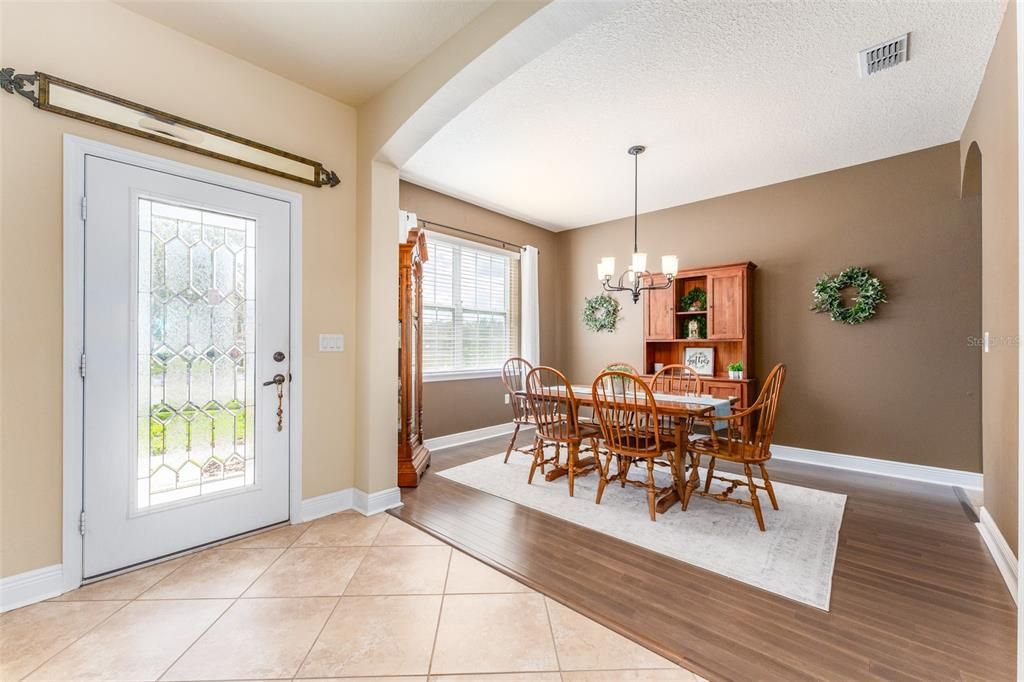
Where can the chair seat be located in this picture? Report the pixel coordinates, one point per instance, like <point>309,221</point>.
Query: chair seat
<point>562,432</point>
<point>739,452</point>
<point>644,445</point>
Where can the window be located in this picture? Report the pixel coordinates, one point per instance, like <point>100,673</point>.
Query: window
<point>470,308</point>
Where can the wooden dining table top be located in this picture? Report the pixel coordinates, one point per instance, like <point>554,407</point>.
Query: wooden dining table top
<point>667,403</point>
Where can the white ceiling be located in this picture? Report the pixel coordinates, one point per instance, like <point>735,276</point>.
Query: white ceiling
<point>349,50</point>
<point>727,96</point>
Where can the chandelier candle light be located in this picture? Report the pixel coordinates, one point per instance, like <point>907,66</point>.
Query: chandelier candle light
<point>637,272</point>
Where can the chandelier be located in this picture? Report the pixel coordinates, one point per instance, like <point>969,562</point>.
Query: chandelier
<point>636,278</point>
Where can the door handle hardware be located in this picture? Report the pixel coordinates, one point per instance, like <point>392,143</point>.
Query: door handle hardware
<point>278,379</point>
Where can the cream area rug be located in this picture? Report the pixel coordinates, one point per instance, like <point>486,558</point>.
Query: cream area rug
<point>794,558</point>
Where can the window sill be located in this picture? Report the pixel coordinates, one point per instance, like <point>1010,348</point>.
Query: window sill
<point>459,376</point>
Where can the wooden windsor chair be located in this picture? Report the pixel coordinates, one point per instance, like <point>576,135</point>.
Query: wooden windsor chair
<point>554,410</point>
<point>745,439</point>
<point>675,380</point>
<point>630,430</point>
<point>513,376</point>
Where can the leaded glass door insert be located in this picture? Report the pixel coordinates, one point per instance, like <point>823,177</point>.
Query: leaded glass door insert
<point>187,316</point>
<point>196,314</point>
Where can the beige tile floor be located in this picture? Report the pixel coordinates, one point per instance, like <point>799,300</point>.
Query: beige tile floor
<point>345,597</point>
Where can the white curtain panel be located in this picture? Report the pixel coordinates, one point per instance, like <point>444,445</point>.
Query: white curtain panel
<point>530,301</point>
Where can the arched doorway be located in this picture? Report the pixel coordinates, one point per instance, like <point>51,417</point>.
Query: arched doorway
<point>971,195</point>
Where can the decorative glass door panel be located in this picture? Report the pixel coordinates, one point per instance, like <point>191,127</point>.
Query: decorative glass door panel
<point>186,329</point>
<point>196,358</point>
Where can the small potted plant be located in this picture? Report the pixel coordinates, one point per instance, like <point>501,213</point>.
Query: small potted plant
<point>735,370</point>
<point>695,300</point>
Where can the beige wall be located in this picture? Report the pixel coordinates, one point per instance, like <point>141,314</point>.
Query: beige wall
<point>993,127</point>
<point>903,386</point>
<point>392,126</point>
<point>454,406</point>
<point>112,49</point>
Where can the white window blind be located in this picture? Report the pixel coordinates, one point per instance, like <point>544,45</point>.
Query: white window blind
<point>470,307</point>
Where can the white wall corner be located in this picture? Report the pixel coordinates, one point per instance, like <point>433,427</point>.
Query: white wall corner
<point>999,549</point>
<point>369,504</point>
<point>31,586</point>
<point>324,505</point>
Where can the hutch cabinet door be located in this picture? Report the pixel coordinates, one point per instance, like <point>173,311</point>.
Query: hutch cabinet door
<point>661,312</point>
<point>725,304</point>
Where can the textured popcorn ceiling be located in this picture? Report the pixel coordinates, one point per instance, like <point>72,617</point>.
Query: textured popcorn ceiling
<point>727,96</point>
<point>346,49</point>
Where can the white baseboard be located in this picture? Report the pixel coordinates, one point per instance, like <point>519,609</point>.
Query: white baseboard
<point>463,437</point>
<point>999,549</point>
<point>31,586</point>
<point>374,503</point>
<point>350,498</point>
<point>880,467</point>
<point>324,505</point>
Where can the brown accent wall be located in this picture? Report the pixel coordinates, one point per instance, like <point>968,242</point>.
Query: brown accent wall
<point>903,386</point>
<point>992,128</point>
<point>466,404</point>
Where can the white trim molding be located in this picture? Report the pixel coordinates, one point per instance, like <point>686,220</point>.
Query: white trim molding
<point>463,437</point>
<point>879,467</point>
<point>789,453</point>
<point>999,549</point>
<point>369,504</point>
<point>354,499</point>
<point>325,505</point>
<point>31,586</point>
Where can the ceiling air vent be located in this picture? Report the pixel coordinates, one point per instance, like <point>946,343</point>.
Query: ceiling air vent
<point>884,56</point>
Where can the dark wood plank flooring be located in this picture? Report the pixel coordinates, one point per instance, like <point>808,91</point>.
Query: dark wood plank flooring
<point>915,594</point>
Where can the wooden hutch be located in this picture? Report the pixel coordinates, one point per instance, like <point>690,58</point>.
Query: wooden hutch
<point>413,456</point>
<point>729,325</point>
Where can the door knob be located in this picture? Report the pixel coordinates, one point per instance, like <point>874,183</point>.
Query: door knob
<point>278,379</point>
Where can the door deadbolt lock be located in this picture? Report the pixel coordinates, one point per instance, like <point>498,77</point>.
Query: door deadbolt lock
<point>278,356</point>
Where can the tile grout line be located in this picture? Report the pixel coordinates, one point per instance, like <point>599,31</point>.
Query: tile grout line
<point>336,604</point>
<point>222,613</point>
<point>551,631</point>
<point>320,632</point>
<point>440,610</point>
<point>72,642</point>
<point>193,643</point>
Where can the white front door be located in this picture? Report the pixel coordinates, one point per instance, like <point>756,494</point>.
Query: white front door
<point>186,319</point>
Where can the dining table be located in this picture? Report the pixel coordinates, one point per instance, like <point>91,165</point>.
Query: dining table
<point>683,410</point>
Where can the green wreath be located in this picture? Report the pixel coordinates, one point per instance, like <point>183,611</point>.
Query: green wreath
<point>828,297</point>
<point>601,313</point>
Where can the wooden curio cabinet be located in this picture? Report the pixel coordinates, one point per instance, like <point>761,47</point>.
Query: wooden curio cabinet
<point>413,456</point>
<point>726,322</point>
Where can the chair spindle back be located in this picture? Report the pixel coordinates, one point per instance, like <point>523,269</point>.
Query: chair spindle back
<point>753,428</point>
<point>627,412</point>
<point>677,380</point>
<point>552,404</point>
<point>513,375</point>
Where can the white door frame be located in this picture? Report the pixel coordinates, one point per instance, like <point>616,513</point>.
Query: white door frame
<point>75,151</point>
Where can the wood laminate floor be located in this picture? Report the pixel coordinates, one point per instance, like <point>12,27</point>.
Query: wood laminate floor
<point>915,594</point>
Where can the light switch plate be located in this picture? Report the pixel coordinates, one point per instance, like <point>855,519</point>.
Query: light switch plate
<point>332,343</point>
